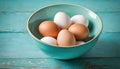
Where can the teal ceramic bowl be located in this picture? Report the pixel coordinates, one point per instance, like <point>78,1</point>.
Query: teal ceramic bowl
<point>47,13</point>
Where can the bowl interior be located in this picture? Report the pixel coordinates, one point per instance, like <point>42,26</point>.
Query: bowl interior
<point>47,13</point>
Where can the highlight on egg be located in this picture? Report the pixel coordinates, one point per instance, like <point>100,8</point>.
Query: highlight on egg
<point>62,20</point>
<point>80,19</point>
<point>49,28</point>
<point>49,40</point>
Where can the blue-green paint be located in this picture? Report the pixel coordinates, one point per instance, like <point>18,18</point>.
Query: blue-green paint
<point>110,21</point>
<point>47,13</point>
<point>79,63</point>
<point>30,6</point>
<point>15,43</point>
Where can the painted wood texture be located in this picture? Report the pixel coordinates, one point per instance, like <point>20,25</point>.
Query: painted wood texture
<point>13,45</point>
<point>19,51</point>
<point>30,6</point>
<point>80,63</point>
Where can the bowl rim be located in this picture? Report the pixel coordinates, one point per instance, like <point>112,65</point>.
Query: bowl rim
<point>99,21</point>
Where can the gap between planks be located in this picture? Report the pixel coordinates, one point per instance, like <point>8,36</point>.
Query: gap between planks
<point>70,59</point>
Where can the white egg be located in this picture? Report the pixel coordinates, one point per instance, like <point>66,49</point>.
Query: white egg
<point>62,19</point>
<point>49,40</point>
<point>80,42</point>
<point>80,19</point>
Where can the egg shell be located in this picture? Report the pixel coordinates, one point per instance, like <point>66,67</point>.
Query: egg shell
<point>80,31</point>
<point>49,28</point>
<point>80,42</point>
<point>62,20</point>
<point>80,19</point>
<point>65,38</point>
<point>49,40</point>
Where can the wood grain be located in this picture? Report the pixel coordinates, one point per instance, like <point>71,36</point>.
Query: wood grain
<point>80,63</point>
<point>19,51</point>
<point>16,22</point>
<point>13,45</point>
<point>30,6</point>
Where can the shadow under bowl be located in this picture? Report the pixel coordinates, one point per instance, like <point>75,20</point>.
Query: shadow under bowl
<point>47,13</point>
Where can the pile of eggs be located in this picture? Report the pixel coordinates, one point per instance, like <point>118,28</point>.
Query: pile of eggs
<point>65,31</point>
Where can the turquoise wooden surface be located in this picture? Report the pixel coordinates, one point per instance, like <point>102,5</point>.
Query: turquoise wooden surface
<point>19,51</point>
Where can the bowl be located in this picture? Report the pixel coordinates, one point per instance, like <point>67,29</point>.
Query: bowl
<point>47,13</point>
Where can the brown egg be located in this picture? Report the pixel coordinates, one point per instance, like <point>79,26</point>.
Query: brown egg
<point>49,28</point>
<point>65,38</point>
<point>80,31</point>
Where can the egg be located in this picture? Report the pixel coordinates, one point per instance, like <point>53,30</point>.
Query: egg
<point>65,38</point>
<point>80,19</point>
<point>62,20</point>
<point>80,42</point>
<point>49,28</point>
<point>49,40</point>
<point>80,31</point>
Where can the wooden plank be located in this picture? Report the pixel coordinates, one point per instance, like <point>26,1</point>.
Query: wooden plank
<point>19,51</point>
<point>16,22</point>
<point>30,6</point>
<point>13,45</point>
<point>80,63</point>
<point>108,45</point>
<point>18,45</point>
